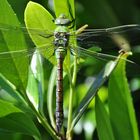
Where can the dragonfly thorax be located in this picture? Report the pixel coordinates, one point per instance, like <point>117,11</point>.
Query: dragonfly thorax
<point>61,36</point>
<point>61,40</point>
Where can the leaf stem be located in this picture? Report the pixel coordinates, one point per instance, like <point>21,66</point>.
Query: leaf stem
<point>72,86</point>
<point>50,96</point>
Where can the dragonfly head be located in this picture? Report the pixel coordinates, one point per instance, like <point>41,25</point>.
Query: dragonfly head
<point>62,20</point>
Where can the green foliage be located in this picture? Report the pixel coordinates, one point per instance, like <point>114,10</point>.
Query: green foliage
<point>13,119</point>
<point>121,109</point>
<point>120,123</point>
<point>16,75</point>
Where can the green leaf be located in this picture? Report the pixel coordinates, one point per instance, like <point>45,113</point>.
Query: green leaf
<point>101,78</point>
<point>12,67</point>
<point>9,93</point>
<point>104,128</point>
<point>14,120</point>
<point>35,87</point>
<point>121,108</point>
<point>64,7</point>
<point>37,17</point>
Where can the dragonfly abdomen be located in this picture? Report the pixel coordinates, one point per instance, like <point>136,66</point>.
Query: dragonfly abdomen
<point>60,55</point>
<point>61,43</point>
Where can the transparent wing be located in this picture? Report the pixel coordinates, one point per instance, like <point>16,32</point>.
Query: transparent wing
<point>114,30</point>
<point>8,28</point>
<point>122,37</point>
<point>25,52</point>
<point>110,41</point>
<point>10,46</point>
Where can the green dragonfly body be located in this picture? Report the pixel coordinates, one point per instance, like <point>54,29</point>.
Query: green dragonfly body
<point>61,39</point>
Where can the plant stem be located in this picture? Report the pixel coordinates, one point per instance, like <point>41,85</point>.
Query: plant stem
<point>72,86</point>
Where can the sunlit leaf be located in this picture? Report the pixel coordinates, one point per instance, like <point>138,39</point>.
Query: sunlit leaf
<point>35,87</point>
<point>12,41</point>
<point>121,108</point>
<point>37,17</point>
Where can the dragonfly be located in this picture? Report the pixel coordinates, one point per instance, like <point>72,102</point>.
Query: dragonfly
<point>61,41</point>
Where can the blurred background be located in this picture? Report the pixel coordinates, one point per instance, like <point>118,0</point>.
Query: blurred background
<point>97,14</point>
